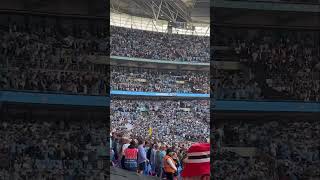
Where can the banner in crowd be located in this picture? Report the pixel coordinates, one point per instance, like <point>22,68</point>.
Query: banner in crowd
<point>139,93</point>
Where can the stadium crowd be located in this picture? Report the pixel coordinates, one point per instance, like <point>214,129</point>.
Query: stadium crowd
<point>152,136</point>
<point>40,149</point>
<point>52,60</point>
<point>171,120</point>
<point>290,149</point>
<point>235,85</point>
<point>231,166</point>
<point>54,81</point>
<point>157,158</point>
<point>285,61</point>
<point>156,129</point>
<point>159,46</point>
<point>142,79</point>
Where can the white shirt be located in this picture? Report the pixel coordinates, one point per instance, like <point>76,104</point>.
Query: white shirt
<point>172,164</point>
<point>124,147</point>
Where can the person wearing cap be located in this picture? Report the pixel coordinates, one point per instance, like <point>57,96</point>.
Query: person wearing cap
<point>169,165</point>
<point>197,163</point>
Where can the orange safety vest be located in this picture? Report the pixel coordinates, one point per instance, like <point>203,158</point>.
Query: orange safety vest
<point>166,166</point>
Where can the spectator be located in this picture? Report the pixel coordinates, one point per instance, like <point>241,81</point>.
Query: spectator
<point>160,46</point>
<point>131,157</point>
<point>169,165</point>
<point>283,62</point>
<point>142,157</point>
<point>152,80</point>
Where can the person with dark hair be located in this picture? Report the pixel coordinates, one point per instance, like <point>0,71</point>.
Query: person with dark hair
<point>169,165</point>
<point>142,156</point>
<point>131,157</point>
<point>177,164</point>
<point>148,150</point>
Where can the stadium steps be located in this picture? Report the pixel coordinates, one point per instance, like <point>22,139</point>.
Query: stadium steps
<point>121,174</point>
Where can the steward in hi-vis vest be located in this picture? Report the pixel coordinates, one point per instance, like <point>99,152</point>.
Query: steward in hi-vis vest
<point>169,165</point>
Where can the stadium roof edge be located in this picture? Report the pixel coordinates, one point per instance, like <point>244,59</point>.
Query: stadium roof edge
<point>273,6</point>
<point>190,11</point>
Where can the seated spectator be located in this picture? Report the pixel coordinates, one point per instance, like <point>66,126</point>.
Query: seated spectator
<point>152,80</point>
<point>52,60</point>
<point>46,149</point>
<point>285,148</point>
<point>284,61</point>
<point>170,120</point>
<point>159,46</point>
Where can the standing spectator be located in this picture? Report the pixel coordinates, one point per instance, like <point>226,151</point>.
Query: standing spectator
<point>169,165</point>
<point>163,153</point>
<point>142,157</point>
<point>126,144</point>
<point>153,157</point>
<point>131,157</point>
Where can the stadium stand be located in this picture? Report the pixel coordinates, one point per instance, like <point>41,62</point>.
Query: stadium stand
<point>259,134</point>
<point>49,59</point>
<point>160,95</point>
<point>162,123</point>
<point>171,120</point>
<point>283,62</point>
<point>286,148</point>
<point>53,149</point>
<point>152,80</point>
<point>52,122</point>
<point>160,46</point>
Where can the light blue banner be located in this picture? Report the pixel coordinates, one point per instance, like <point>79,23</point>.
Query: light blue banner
<point>138,93</point>
<point>103,101</point>
<point>135,59</point>
<point>54,99</point>
<point>266,106</point>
